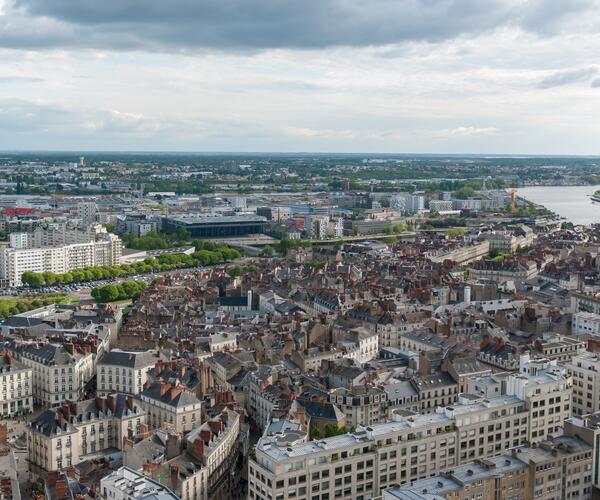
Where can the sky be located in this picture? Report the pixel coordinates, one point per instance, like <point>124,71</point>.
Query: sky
<point>389,76</point>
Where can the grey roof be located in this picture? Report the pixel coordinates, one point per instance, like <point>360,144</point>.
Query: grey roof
<point>129,359</point>
<point>181,398</point>
<point>48,354</point>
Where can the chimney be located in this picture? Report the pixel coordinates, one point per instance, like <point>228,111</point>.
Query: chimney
<point>61,488</point>
<point>164,388</point>
<point>174,470</point>
<point>69,347</point>
<point>101,403</point>
<point>173,446</point>
<point>198,450</point>
<point>130,402</point>
<point>150,469</point>
<point>206,435</point>
<point>175,391</point>
<point>110,401</point>
<point>144,433</point>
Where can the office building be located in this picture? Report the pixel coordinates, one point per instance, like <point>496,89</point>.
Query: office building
<point>217,226</point>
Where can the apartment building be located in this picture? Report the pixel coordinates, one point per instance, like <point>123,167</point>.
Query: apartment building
<point>61,259</point>
<point>213,448</point>
<point>173,404</point>
<point>543,386</point>
<point>495,478</point>
<point>123,371</point>
<point>438,389</point>
<point>585,372</point>
<point>58,374</point>
<point>586,323</point>
<point>410,447</point>
<point>557,469</point>
<point>16,384</point>
<point>68,434</point>
<point>363,405</point>
<point>87,211</point>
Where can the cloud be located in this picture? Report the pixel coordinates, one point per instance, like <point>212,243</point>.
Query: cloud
<point>456,132</point>
<point>567,77</point>
<point>184,25</point>
<point>20,79</point>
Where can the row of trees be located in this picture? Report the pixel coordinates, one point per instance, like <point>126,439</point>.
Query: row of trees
<point>10,306</point>
<point>165,262</point>
<point>120,291</point>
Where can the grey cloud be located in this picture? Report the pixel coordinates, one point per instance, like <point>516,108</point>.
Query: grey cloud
<point>596,83</point>
<point>567,77</point>
<point>181,25</point>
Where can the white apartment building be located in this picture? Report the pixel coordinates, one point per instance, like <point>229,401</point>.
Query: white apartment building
<point>125,372</point>
<point>323,227</point>
<point>545,388</point>
<point>172,404</point>
<point>16,261</point>
<point>57,374</point>
<point>359,465</point>
<point>586,323</point>
<point>16,386</point>
<point>128,484</point>
<point>69,434</point>
<point>585,371</point>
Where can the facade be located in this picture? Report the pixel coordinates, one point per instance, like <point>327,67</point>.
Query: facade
<point>175,405</point>
<point>60,259</point>
<point>16,384</point>
<point>361,405</point>
<point>87,211</point>
<point>586,323</point>
<point>125,372</point>
<point>128,484</point>
<point>462,254</point>
<point>361,464</point>
<point>199,226</point>
<point>543,386</point>
<point>65,435</point>
<point>58,375</point>
<point>558,469</point>
<point>207,454</point>
<point>585,372</point>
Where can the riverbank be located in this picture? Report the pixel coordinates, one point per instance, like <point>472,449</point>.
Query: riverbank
<point>573,203</point>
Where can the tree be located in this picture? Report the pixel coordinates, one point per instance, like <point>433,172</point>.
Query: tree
<point>34,280</point>
<point>268,251</point>
<point>315,433</point>
<point>235,271</point>
<point>464,193</point>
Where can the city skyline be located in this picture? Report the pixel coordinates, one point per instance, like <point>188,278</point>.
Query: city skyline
<point>447,77</point>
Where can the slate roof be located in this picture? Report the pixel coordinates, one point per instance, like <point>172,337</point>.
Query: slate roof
<point>129,359</point>
<point>178,398</point>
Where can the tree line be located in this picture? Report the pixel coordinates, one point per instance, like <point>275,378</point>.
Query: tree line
<point>218,253</point>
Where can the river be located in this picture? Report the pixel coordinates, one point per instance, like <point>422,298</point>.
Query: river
<point>571,202</point>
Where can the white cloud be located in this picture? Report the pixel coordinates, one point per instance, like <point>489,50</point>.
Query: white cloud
<point>450,133</point>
